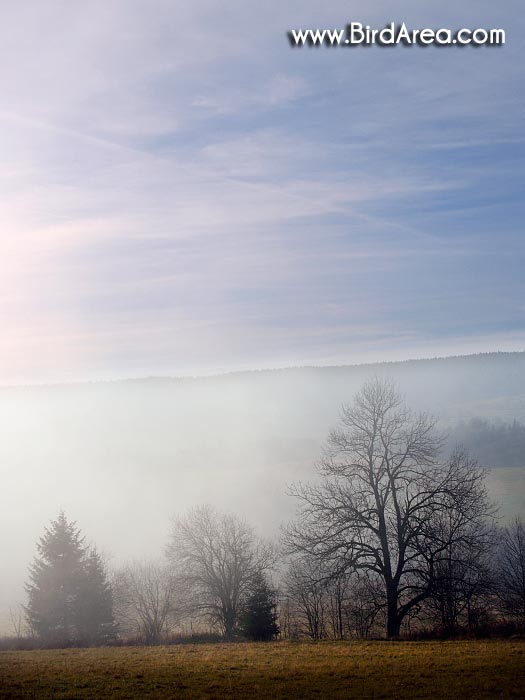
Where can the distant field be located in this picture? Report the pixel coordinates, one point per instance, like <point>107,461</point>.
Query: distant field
<point>444,670</point>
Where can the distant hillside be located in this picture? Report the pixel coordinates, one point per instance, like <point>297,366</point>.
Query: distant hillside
<point>122,457</point>
<point>495,444</point>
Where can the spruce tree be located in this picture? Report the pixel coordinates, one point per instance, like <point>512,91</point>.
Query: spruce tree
<point>54,580</point>
<point>259,619</point>
<point>94,606</point>
<point>69,599</point>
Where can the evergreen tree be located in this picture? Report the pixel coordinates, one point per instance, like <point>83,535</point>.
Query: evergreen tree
<point>259,620</point>
<point>54,580</point>
<point>94,607</point>
<point>69,600</point>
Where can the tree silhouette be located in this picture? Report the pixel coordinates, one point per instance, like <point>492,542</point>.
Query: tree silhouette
<point>512,570</point>
<point>69,600</point>
<point>94,605</point>
<point>386,504</point>
<point>217,556</point>
<point>146,600</point>
<point>259,619</point>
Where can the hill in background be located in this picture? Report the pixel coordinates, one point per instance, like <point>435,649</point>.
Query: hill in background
<point>123,457</point>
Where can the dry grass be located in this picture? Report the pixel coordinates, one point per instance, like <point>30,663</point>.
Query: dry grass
<point>445,670</point>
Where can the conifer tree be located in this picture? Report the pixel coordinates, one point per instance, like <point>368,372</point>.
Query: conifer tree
<point>259,619</point>
<point>69,599</point>
<point>94,607</point>
<point>54,580</point>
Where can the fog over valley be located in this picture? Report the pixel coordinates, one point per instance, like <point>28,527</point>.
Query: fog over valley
<point>121,458</point>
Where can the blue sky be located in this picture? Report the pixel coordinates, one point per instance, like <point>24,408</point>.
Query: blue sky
<point>181,192</point>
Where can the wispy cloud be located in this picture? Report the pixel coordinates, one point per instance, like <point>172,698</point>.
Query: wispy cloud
<point>180,191</point>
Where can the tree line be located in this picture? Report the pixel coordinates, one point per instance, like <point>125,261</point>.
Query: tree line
<point>499,444</point>
<point>393,537</point>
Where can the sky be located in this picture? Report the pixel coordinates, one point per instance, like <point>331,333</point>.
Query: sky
<point>182,192</point>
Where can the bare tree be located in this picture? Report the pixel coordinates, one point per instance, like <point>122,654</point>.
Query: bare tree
<point>382,493</point>
<point>218,556</point>
<point>322,604</point>
<point>145,600</point>
<point>287,626</point>
<point>463,580</point>
<point>17,617</point>
<point>337,589</point>
<point>365,604</point>
<point>512,570</point>
<point>306,594</point>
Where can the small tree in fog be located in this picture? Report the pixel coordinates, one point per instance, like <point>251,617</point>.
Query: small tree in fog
<point>305,593</point>
<point>259,618</point>
<point>218,556</point>
<point>18,620</point>
<point>511,570</point>
<point>462,578</point>
<point>365,605</point>
<point>145,601</point>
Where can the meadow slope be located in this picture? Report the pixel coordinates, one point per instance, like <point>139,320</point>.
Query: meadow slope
<point>445,670</point>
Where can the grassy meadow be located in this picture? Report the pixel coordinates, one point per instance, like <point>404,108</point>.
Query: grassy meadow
<point>444,670</point>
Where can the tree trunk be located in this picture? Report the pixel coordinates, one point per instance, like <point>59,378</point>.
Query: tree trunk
<point>229,623</point>
<point>340,617</point>
<point>393,623</point>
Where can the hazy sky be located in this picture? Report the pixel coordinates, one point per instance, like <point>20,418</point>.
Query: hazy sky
<point>182,192</point>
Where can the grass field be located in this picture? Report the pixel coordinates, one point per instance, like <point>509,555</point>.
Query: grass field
<point>443,670</point>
